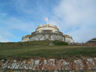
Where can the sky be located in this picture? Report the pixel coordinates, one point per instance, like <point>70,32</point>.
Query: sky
<point>73,17</point>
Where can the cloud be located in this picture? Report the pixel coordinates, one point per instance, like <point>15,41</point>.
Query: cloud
<point>10,25</point>
<point>31,8</point>
<point>74,17</point>
<point>77,18</point>
<point>19,24</point>
<point>83,34</point>
<point>23,21</point>
<point>2,39</point>
<point>15,23</point>
<point>4,36</point>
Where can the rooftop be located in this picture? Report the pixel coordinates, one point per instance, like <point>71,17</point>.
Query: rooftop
<point>47,25</point>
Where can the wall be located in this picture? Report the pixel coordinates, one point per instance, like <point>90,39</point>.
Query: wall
<point>47,28</point>
<point>68,40</point>
<point>50,64</point>
<point>48,36</point>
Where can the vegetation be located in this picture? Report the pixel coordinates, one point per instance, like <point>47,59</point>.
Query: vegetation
<point>59,43</point>
<point>43,49</point>
<point>94,39</point>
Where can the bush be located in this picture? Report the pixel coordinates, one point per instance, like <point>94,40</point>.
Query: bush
<point>60,43</point>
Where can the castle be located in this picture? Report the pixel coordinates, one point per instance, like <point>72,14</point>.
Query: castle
<point>47,32</point>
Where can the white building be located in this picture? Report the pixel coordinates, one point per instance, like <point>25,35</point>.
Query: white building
<point>47,32</point>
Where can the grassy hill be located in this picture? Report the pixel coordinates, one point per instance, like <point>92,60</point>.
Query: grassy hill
<point>44,49</point>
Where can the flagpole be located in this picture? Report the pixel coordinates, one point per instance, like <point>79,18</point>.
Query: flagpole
<point>46,19</point>
<point>47,23</point>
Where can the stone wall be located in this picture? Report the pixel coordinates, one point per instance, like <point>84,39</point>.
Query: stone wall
<point>68,40</point>
<point>51,64</point>
<point>48,36</point>
<point>45,36</point>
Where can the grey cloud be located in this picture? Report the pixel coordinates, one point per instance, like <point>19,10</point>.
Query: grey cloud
<point>76,13</point>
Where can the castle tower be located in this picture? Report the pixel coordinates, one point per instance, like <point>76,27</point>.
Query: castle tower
<point>47,32</point>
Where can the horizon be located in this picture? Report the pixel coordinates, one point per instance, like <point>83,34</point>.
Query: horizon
<point>76,18</point>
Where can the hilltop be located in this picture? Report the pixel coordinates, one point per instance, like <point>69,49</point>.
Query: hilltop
<point>44,49</point>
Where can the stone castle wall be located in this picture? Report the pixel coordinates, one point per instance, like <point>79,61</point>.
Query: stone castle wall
<point>48,36</point>
<point>47,32</point>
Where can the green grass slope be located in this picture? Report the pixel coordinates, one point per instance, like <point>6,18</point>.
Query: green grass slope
<point>44,49</point>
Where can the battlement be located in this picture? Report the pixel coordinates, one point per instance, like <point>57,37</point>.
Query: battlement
<point>47,32</point>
